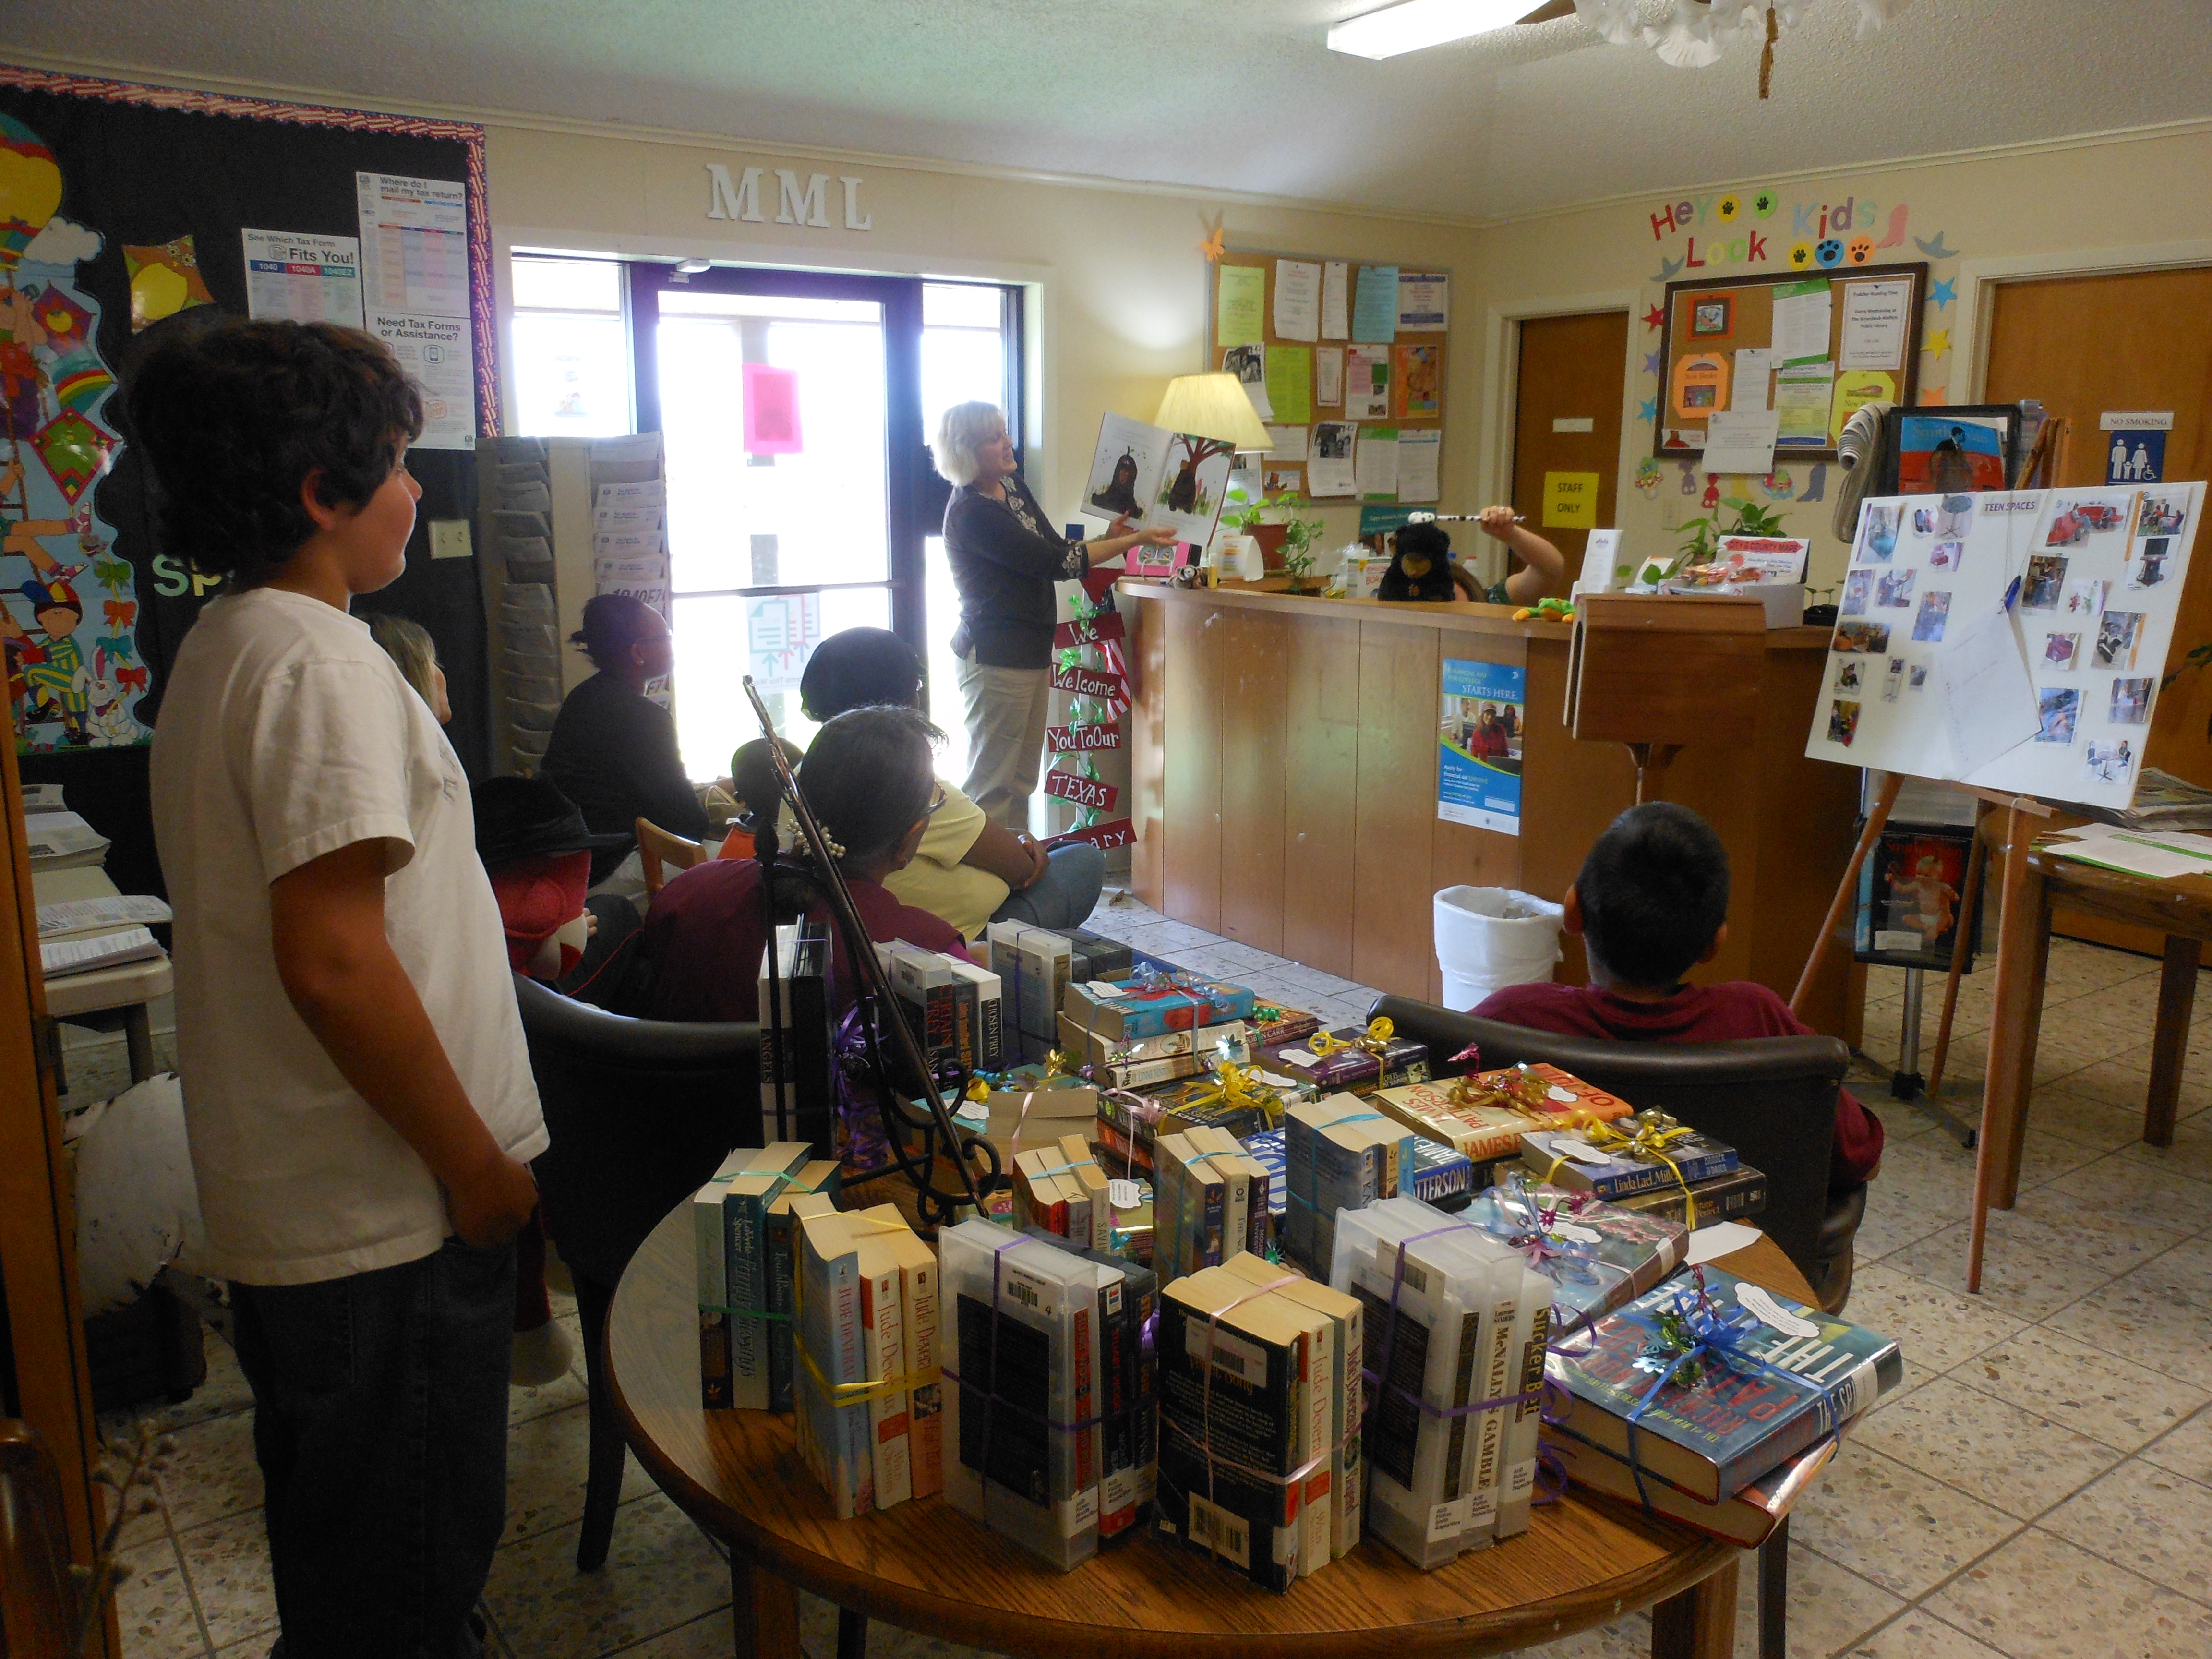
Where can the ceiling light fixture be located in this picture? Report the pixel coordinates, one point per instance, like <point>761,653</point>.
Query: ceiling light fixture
<point>693,267</point>
<point>1420,23</point>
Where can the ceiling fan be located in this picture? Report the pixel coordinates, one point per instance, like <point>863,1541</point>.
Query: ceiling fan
<point>1687,36</point>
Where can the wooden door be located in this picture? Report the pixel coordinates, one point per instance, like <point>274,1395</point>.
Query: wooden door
<point>1567,417</point>
<point>49,1384</point>
<point>2134,341</point>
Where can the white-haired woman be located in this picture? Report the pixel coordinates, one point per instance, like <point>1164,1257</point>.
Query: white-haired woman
<point>1005,556</point>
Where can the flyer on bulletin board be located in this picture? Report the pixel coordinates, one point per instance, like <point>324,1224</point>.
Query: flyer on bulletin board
<point>1479,744</point>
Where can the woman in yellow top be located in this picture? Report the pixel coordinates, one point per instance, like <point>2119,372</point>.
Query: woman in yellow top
<point>969,870</point>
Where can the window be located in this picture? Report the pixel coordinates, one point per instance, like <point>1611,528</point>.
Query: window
<point>773,547</point>
<point>571,349</point>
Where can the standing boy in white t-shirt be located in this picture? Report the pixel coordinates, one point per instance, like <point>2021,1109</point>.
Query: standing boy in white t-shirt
<point>356,1088</point>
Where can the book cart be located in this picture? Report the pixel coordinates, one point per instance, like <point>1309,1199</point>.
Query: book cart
<point>923,1566</point>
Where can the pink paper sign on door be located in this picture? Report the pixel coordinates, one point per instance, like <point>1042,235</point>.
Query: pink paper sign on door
<point>771,410</point>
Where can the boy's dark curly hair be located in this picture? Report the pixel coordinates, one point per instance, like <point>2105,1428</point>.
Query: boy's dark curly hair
<point>234,418</point>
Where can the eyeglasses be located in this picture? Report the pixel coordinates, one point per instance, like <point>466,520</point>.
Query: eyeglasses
<point>936,800</point>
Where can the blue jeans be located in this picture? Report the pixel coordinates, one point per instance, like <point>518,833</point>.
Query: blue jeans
<point>1065,895</point>
<point>380,1422</point>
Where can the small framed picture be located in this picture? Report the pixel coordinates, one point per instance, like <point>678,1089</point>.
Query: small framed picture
<point>1712,316</point>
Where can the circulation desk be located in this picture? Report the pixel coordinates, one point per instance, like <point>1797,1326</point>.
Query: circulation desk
<point>1284,762</point>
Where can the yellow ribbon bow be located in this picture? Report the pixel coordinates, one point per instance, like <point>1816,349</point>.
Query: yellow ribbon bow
<point>1654,1132</point>
<point>978,1091</point>
<point>1377,1039</point>
<point>1059,1063</point>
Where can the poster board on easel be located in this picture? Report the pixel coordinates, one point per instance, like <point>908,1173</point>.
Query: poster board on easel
<point>1404,387</point>
<point>2008,640</point>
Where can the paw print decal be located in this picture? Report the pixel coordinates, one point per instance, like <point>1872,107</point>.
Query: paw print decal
<point>1830,253</point>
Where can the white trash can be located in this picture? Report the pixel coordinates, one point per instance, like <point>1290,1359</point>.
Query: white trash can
<point>1491,937</point>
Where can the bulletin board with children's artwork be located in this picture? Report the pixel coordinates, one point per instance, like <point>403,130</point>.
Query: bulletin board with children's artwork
<point>1346,363</point>
<point>130,214</point>
<point>2009,640</point>
<point>1810,346</point>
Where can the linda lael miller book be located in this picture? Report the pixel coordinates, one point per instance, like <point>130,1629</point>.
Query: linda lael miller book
<point>1799,1375</point>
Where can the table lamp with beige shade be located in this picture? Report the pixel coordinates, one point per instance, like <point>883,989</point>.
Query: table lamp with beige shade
<point>1215,406</point>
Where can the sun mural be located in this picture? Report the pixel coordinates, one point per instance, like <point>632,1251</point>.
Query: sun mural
<point>69,606</point>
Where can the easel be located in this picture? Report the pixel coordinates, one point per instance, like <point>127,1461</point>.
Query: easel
<point>1998,1082</point>
<point>1655,673</point>
<point>2047,458</point>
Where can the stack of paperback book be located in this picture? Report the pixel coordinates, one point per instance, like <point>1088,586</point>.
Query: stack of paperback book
<point>1596,1255</point>
<point>1033,965</point>
<point>1122,1010</point>
<point>1130,1123</point>
<point>1339,1154</point>
<point>870,1406</point>
<point>1034,1416</point>
<point>1210,1202</point>
<point>1260,1419</point>
<point>1690,1176</point>
<point>1060,1188</point>
<point>959,1007</point>
<point>1726,1439</point>
<point>1129,1414</point>
<point>739,1316</point>
<point>1456,1323</point>
<point>795,1038</point>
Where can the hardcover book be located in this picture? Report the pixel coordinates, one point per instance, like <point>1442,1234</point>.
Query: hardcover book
<point>1401,1061</point>
<point>1747,1519</point>
<point>1130,1008</point>
<point>1485,1115</point>
<point>1563,1158</point>
<point>1740,1194</point>
<point>1801,1373</point>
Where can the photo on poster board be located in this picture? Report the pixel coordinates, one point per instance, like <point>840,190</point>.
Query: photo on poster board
<point>2039,698</point>
<point>1484,708</point>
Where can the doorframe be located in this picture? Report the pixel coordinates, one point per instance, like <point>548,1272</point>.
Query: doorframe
<point>1978,278</point>
<point>1501,380</point>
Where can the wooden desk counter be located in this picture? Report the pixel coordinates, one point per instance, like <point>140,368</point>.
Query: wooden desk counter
<point>1284,760</point>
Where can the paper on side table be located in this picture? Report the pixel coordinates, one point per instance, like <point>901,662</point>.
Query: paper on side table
<point>1722,1238</point>
<point>2160,856</point>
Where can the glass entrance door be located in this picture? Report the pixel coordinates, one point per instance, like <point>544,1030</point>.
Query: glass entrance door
<point>787,404</point>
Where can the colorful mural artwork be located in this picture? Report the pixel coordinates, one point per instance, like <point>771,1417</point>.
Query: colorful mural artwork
<point>69,607</point>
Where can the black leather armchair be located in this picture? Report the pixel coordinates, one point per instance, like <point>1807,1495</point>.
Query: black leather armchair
<point>640,1113</point>
<point>1772,1098</point>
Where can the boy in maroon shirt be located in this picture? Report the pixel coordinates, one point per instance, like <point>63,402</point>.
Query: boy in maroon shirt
<point>1650,903</point>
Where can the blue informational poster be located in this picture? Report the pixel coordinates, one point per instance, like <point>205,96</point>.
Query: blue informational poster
<point>1479,744</point>
<point>2135,455</point>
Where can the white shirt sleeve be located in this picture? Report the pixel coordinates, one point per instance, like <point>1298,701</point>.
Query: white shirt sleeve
<point>327,765</point>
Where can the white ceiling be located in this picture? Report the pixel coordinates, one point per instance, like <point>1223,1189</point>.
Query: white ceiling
<point>1236,95</point>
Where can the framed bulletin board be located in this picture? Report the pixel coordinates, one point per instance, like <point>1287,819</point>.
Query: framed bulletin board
<point>1351,361</point>
<point>1811,346</point>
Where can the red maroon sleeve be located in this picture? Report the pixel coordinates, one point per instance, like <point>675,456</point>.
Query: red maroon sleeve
<point>1859,1135</point>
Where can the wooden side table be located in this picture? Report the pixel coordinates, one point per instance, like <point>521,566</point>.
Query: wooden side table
<point>924,1566</point>
<point>2036,882</point>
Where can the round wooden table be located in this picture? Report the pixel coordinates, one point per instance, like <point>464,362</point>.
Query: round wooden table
<point>923,1566</point>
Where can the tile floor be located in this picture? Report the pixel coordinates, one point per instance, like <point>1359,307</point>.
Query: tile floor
<point>2040,1489</point>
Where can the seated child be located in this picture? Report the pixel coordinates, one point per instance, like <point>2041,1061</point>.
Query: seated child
<point>1650,903</point>
<point>868,778</point>
<point>968,870</point>
<point>537,854</point>
<point>753,782</point>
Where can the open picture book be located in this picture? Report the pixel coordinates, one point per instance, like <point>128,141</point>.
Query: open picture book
<point>1152,476</point>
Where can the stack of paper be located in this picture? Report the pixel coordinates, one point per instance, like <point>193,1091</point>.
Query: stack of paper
<point>81,915</point>
<point>2162,856</point>
<point>60,957</point>
<point>60,839</point>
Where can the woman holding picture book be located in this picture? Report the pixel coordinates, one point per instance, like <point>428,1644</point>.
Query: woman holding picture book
<point>1005,556</point>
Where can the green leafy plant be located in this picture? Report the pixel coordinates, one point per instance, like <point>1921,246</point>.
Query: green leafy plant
<point>1298,541</point>
<point>1701,536</point>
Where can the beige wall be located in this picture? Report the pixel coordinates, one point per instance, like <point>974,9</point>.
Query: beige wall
<point>1116,275</point>
<point>2098,205</point>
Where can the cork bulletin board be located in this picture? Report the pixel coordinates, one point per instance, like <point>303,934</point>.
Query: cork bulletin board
<point>1418,360</point>
<point>1871,343</point>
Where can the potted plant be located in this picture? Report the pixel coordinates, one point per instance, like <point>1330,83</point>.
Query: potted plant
<point>1249,520</point>
<point>1300,537</point>
<point>1701,537</point>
